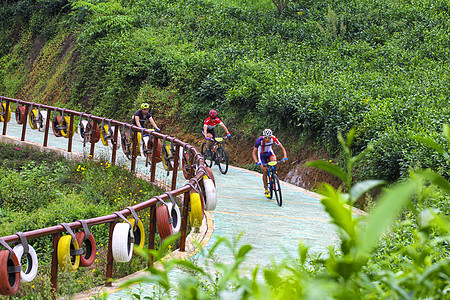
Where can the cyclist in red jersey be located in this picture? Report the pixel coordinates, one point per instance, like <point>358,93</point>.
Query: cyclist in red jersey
<point>210,123</point>
<point>263,153</point>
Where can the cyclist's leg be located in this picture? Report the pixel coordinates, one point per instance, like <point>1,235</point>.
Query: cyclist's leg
<point>263,158</point>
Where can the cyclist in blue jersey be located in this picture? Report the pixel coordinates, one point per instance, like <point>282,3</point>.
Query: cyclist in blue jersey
<point>263,153</point>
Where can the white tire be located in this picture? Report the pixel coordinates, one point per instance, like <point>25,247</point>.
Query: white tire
<point>175,214</point>
<point>144,145</point>
<point>81,130</point>
<point>210,193</point>
<point>32,263</point>
<point>44,120</point>
<point>119,140</point>
<point>122,248</point>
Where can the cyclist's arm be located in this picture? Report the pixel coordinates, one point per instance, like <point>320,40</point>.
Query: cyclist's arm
<point>255,157</point>
<point>224,127</point>
<point>137,120</point>
<point>153,122</point>
<point>205,128</point>
<point>284,151</point>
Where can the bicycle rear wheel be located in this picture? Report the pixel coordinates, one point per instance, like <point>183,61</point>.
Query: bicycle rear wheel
<point>207,155</point>
<point>222,159</point>
<point>277,189</point>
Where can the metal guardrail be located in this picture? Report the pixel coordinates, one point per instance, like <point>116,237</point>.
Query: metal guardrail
<point>193,169</point>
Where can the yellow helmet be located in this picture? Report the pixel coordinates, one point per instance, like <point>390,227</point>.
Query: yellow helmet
<point>145,106</point>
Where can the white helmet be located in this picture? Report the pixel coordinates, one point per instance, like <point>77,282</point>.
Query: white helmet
<point>267,133</point>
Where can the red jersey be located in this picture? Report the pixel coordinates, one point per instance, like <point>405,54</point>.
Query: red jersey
<point>212,123</point>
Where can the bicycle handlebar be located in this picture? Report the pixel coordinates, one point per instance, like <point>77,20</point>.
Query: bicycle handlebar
<point>272,163</point>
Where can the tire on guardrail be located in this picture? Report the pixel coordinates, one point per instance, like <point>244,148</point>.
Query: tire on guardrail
<point>9,281</point>
<point>81,130</point>
<point>196,211</point>
<point>122,244</point>
<point>106,135</point>
<point>138,232</point>
<point>162,220</point>
<point>66,261</point>
<point>21,118</point>
<point>5,114</point>
<point>90,248</point>
<point>37,119</point>
<point>32,262</point>
<point>94,135</point>
<point>66,130</point>
<point>210,194</point>
<point>55,124</point>
<point>210,175</point>
<point>175,214</point>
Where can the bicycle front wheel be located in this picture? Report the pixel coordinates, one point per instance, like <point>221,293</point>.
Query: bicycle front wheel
<point>207,155</point>
<point>222,159</point>
<point>277,189</point>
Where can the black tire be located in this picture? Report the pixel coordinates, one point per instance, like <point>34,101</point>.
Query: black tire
<point>277,189</point>
<point>207,155</point>
<point>221,157</point>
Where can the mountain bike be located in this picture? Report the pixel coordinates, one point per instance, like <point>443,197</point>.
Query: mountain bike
<point>273,181</point>
<point>216,153</point>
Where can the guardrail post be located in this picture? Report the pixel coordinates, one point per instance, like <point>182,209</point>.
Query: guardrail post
<point>176,162</point>
<point>54,269</point>
<point>152,233</point>
<point>24,126</point>
<point>110,259</point>
<point>133,151</point>
<point>184,221</point>
<point>153,164</point>
<point>47,125</point>
<point>114,142</point>
<point>69,144</point>
<point>91,152</point>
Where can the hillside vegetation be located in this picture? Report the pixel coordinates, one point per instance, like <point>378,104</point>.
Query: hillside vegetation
<point>321,67</point>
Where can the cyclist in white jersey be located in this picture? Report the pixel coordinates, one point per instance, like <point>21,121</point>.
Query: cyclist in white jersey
<point>263,153</point>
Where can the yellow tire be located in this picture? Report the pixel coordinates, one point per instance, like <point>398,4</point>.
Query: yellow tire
<point>138,146</point>
<point>32,117</point>
<point>4,112</point>
<point>66,261</point>
<point>105,130</point>
<point>196,214</point>
<point>65,132</point>
<point>166,162</point>
<point>139,233</point>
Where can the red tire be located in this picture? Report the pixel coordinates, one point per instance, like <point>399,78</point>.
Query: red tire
<point>94,137</point>
<point>56,121</point>
<point>162,220</point>
<point>210,174</point>
<point>20,115</point>
<point>89,246</point>
<point>9,282</point>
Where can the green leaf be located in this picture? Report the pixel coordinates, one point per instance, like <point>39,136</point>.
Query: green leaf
<point>363,187</point>
<point>435,179</point>
<point>272,278</point>
<point>430,143</point>
<point>330,168</point>
<point>243,251</point>
<point>189,265</point>
<point>338,211</point>
<point>384,213</point>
